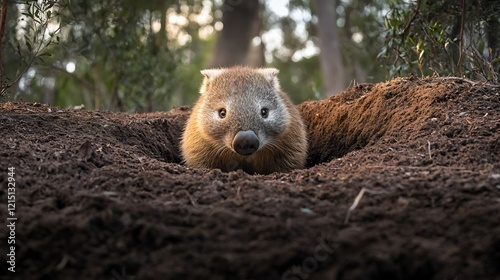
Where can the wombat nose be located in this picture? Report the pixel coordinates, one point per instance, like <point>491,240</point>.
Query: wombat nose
<point>245,142</point>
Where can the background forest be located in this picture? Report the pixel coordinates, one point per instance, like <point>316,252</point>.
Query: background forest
<point>140,56</point>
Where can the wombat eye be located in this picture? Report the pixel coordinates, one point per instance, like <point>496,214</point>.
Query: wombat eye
<point>264,112</point>
<point>222,113</point>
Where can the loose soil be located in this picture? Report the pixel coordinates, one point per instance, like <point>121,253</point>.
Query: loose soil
<point>403,182</point>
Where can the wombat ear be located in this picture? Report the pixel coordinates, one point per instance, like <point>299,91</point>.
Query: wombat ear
<point>271,75</point>
<point>209,75</point>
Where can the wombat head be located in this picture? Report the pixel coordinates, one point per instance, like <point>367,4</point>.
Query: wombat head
<point>242,108</point>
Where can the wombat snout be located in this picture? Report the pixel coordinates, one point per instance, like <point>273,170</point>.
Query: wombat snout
<point>245,142</point>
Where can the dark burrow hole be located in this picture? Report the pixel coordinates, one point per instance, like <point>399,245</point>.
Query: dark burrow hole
<point>336,126</point>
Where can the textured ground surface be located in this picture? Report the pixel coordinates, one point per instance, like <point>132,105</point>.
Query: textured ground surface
<point>102,195</point>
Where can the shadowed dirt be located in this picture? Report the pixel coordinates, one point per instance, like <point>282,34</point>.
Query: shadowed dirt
<point>102,195</point>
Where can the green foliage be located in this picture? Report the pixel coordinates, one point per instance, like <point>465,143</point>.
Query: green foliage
<point>122,61</point>
<point>28,39</point>
<point>444,38</point>
<point>361,40</point>
<point>188,78</point>
<point>130,55</point>
<point>301,79</point>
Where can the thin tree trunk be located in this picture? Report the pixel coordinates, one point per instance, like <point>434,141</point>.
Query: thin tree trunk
<point>163,26</point>
<point>492,31</point>
<point>233,43</point>
<point>461,45</point>
<point>357,70</point>
<point>3,17</point>
<point>255,56</point>
<point>332,68</point>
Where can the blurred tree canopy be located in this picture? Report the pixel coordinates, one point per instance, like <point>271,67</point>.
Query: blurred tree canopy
<point>139,56</point>
<point>440,37</point>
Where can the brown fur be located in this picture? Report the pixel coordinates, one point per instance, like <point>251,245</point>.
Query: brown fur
<point>206,142</point>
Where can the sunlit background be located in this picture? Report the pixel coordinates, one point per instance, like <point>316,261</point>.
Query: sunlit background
<point>141,56</point>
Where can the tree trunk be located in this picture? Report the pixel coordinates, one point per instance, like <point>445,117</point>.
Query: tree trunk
<point>332,68</point>
<point>241,24</point>
<point>255,56</point>
<point>3,17</point>
<point>492,30</point>
<point>356,69</point>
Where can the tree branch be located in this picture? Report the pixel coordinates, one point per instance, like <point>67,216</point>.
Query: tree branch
<point>406,31</point>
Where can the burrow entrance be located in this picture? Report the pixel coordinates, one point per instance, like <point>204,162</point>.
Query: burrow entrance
<point>391,112</point>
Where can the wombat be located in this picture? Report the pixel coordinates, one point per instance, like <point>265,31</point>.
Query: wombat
<point>243,120</point>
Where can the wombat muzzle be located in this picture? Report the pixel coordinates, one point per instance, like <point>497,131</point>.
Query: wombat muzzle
<point>245,142</point>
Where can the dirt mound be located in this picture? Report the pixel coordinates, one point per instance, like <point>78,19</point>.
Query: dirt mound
<point>103,195</point>
<point>406,111</point>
